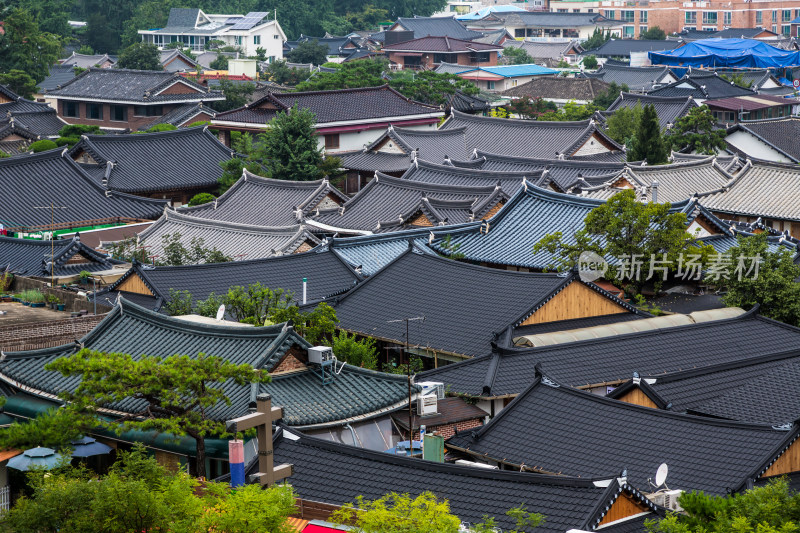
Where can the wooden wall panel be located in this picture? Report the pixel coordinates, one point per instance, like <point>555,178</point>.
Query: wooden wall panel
<point>575,301</point>
<point>493,211</point>
<point>787,463</point>
<point>421,220</point>
<point>637,397</point>
<point>136,285</point>
<point>624,507</point>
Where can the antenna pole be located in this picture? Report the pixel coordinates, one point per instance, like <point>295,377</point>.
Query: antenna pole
<point>52,209</point>
<point>408,377</point>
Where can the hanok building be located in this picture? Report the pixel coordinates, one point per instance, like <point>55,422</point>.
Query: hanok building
<point>522,24</point>
<point>176,61</point>
<point>83,61</point>
<point>34,183</point>
<point>259,201</point>
<point>451,173</point>
<point>560,90</point>
<point>668,109</point>
<point>347,119</point>
<point>550,53</point>
<point>46,259</point>
<point>638,79</point>
<point>426,53</point>
<point>120,99</point>
<point>238,241</point>
<point>172,165</point>
<point>434,27</point>
<point>766,139</point>
<point>24,121</point>
<point>627,48</point>
<point>193,29</point>
<point>702,87</point>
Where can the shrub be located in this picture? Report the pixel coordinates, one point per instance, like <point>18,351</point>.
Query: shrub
<point>42,146</point>
<point>202,198</point>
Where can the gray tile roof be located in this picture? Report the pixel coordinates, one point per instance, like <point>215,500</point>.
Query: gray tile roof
<point>182,18</point>
<point>182,115</point>
<point>370,161</point>
<point>624,47</point>
<point>232,239</point>
<point>153,162</point>
<point>42,124</point>
<point>668,109</point>
<point>437,27</point>
<point>441,44</point>
<point>451,68</point>
<point>327,273</point>
<point>86,61</point>
<point>58,75</point>
<point>780,133</point>
<point>545,429</point>
<point>268,202</point>
<point>468,104</point>
<point>431,145</point>
<point>349,105</point>
<point>39,179</point>
<point>387,199</point>
<point>613,360</point>
<point>175,61</point>
<point>526,138</point>
<point>134,86</point>
<point>420,284</point>
<point>702,86</point>
<point>636,78</point>
<point>547,87</point>
<point>29,257</point>
<point>447,174</point>
<point>334,473</point>
<point>545,50</point>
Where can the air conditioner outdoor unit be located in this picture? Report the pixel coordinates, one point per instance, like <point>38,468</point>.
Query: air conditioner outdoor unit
<point>667,499</point>
<point>432,387</point>
<point>319,354</point>
<point>426,405</point>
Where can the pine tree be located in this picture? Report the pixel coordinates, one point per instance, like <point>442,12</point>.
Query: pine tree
<point>290,148</point>
<point>649,146</point>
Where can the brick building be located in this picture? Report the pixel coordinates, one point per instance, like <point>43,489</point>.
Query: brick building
<point>428,52</point>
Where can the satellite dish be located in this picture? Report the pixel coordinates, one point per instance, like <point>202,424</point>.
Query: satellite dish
<point>220,312</point>
<point>661,474</point>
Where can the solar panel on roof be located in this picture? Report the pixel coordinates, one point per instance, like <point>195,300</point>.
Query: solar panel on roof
<point>249,20</point>
<point>233,20</point>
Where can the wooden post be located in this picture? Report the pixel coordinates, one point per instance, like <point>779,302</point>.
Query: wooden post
<point>262,420</point>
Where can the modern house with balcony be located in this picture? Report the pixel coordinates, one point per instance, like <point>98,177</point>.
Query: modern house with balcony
<point>428,52</point>
<point>193,28</point>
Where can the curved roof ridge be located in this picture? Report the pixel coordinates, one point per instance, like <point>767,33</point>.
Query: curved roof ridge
<point>707,161</point>
<point>385,179</point>
<point>520,122</point>
<point>553,162</point>
<point>172,215</point>
<point>463,170</point>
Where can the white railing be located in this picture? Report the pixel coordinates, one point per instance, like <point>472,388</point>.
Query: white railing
<point>5,498</point>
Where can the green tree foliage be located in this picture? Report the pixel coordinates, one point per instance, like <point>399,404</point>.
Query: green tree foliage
<point>773,508</point>
<point>139,494</point>
<point>255,304</point>
<point>620,228</point>
<point>76,130</point>
<point>51,16</point>
<point>654,34</point>
<point>289,146</point>
<point>128,250</point>
<point>621,126</point>
<point>42,145</point>
<point>220,63</point>
<point>161,127</point>
<point>24,46</point>
<point>278,72</point>
<point>235,95</point>
<point>357,352</point>
<point>179,408</point>
<point>179,303</point>
<point>201,198</point>
<point>55,428</point>
<point>315,326</point>
<point>232,170</point>
<point>648,144</point>
<point>140,56</point>
<point>209,306</point>
<point>775,287</point>
<point>86,50</point>
<point>737,78</point>
<point>598,38</point>
<point>590,62</point>
<point>176,253</point>
<point>19,82</point>
<point>696,132</point>
<point>607,97</point>
<point>369,17</point>
<point>309,52</point>
<point>351,75</point>
<point>516,56</point>
<point>530,108</point>
<point>570,111</point>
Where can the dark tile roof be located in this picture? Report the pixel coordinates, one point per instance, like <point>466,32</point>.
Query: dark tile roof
<point>779,133</point>
<point>174,60</point>
<point>440,44</point>
<point>756,77</point>
<point>624,47</point>
<point>58,75</point>
<point>468,104</point>
<point>152,162</point>
<point>688,303</point>
<point>740,33</point>
<point>135,86</point>
<point>526,138</point>
<point>387,200</point>
<point>182,115</point>
<point>612,360</point>
<point>702,86</point>
<point>636,78</point>
<point>43,124</point>
<point>182,18</point>
<point>575,323</point>
<point>336,474</point>
<point>327,274</point>
<point>369,161</point>
<point>86,61</point>
<point>262,201</point>
<point>437,27</point>
<point>351,105</point>
<point>510,182</point>
<point>137,331</point>
<point>668,109</point>
<point>418,284</point>
<point>37,180</point>
<point>232,239</point>
<point>545,50</point>
<point>431,145</point>
<point>545,427</point>
<point>29,257</point>
<point>584,89</point>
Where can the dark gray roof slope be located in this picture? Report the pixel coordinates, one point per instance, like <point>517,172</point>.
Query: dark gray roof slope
<point>36,117</point>
<point>437,27</point>
<point>86,61</point>
<point>557,87</point>
<point>135,86</point>
<point>268,202</point>
<point>336,474</point>
<point>327,274</point>
<point>37,180</point>
<point>369,161</point>
<point>232,239</point>
<point>636,78</point>
<point>331,106</point>
<point>152,162</point>
<point>526,138</point>
<point>431,145</point>
<point>624,47</point>
<point>702,86</point>
<point>613,360</point>
<point>181,115</point>
<point>457,321</point>
<point>546,428</point>
<point>668,109</point>
<point>59,75</point>
<point>387,200</point>
<point>29,257</point>
<point>780,133</point>
<point>423,171</point>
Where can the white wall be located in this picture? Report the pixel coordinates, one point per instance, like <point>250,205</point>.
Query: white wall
<point>356,140</point>
<point>754,147</point>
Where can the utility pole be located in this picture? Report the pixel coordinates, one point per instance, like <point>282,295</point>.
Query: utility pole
<point>52,209</point>
<point>408,377</point>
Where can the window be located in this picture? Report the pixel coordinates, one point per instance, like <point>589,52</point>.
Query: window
<point>726,18</point>
<point>562,11</point>
<point>479,57</point>
<point>519,32</point>
<point>608,13</point>
<point>774,28</point>
<point>627,16</point>
<point>237,40</point>
<point>94,111</point>
<point>71,109</point>
<point>148,111</point>
<point>759,17</point>
<point>276,36</point>
<point>331,141</point>
<point>628,32</point>
<point>643,16</point>
<point>119,113</point>
<point>576,10</point>
<point>490,85</point>
<point>691,17</point>
<point>642,29</point>
<point>256,39</point>
<point>514,83</point>
<point>709,17</point>
<point>787,15</point>
<point>445,58</point>
<point>774,16</point>
<point>786,30</point>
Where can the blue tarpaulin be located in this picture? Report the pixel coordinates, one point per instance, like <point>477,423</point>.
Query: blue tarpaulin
<point>738,53</point>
